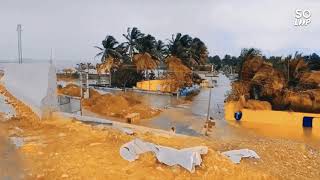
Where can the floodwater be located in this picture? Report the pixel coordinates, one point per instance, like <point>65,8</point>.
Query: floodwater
<point>189,117</point>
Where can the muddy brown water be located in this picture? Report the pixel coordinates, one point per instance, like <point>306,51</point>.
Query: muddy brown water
<point>189,117</point>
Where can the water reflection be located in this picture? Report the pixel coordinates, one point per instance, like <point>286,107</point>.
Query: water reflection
<point>189,118</point>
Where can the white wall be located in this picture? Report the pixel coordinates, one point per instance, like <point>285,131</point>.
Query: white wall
<point>32,83</point>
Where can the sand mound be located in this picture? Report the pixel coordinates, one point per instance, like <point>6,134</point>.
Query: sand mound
<point>118,105</point>
<point>70,90</point>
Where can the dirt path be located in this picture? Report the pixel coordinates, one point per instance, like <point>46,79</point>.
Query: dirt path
<point>10,160</point>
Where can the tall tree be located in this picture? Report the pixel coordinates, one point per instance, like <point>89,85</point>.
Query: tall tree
<point>179,46</point>
<point>314,61</point>
<point>146,58</point>
<point>216,61</point>
<point>246,54</point>
<point>198,51</point>
<point>160,50</point>
<point>132,36</point>
<point>109,49</point>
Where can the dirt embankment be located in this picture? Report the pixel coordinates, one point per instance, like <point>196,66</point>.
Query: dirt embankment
<point>119,105</point>
<point>70,90</point>
<point>65,149</point>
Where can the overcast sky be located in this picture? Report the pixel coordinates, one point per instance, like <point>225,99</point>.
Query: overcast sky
<point>73,27</point>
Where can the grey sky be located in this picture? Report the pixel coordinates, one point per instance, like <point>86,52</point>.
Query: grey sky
<point>73,27</point>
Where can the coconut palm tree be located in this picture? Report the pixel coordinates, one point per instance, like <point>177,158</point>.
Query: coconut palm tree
<point>179,46</point>
<point>247,54</point>
<point>160,50</point>
<point>109,49</point>
<point>110,55</point>
<point>132,36</point>
<point>146,59</point>
<point>198,51</point>
<point>146,44</point>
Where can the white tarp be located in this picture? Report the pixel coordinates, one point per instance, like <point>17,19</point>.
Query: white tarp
<point>188,158</point>
<point>236,155</point>
<point>33,83</point>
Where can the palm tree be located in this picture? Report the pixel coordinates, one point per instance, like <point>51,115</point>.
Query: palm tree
<point>160,50</point>
<point>146,59</point>
<point>179,46</point>
<point>160,53</point>
<point>247,54</point>
<point>110,55</point>
<point>144,62</point>
<point>198,51</point>
<point>146,44</point>
<point>109,49</point>
<point>132,36</point>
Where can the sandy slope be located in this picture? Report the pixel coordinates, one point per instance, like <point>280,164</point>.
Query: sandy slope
<point>62,148</point>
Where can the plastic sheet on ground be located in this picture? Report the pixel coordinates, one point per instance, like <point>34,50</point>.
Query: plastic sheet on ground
<point>236,155</point>
<point>127,131</point>
<point>34,84</point>
<point>188,158</point>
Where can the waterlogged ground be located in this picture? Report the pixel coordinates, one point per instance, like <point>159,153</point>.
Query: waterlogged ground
<point>188,117</point>
<point>66,149</point>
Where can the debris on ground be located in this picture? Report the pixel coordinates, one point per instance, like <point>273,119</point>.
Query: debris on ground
<point>17,141</point>
<point>236,155</point>
<point>188,158</point>
<point>127,131</point>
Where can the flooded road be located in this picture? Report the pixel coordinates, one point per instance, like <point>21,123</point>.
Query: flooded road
<point>188,117</point>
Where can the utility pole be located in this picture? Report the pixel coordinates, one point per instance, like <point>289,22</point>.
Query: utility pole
<point>208,112</point>
<point>19,29</point>
<point>209,103</point>
<point>51,57</point>
<point>87,81</point>
<point>80,76</point>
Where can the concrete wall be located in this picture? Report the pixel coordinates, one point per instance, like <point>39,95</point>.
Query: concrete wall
<point>157,85</point>
<point>284,119</point>
<point>34,84</point>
